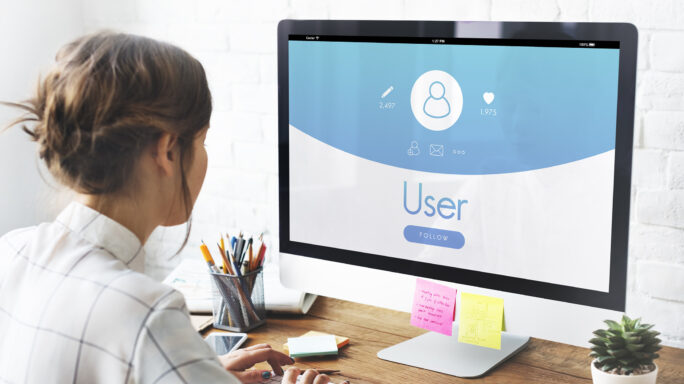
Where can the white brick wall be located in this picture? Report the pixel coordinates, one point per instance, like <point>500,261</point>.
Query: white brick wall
<point>236,41</point>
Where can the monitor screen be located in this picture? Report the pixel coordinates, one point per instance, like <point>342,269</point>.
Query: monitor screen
<point>487,155</point>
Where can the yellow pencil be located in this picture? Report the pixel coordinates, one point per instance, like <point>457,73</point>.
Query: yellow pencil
<point>207,257</point>
<point>222,248</point>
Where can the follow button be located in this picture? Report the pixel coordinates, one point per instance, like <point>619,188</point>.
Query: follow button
<point>434,236</point>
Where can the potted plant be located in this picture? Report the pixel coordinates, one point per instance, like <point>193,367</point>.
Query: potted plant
<point>624,353</point>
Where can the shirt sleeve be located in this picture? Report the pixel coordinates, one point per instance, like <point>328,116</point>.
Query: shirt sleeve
<point>169,350</point>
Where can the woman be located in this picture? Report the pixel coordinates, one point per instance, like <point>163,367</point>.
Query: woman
<point>121,120</point>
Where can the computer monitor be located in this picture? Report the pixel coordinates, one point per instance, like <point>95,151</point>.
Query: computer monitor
<point>493,156</point>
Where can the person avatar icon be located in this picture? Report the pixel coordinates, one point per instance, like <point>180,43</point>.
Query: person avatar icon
<point>436,105</point>
<point>414,150</point>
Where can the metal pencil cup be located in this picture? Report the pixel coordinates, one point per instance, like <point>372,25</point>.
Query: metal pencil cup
<point>239,301</point>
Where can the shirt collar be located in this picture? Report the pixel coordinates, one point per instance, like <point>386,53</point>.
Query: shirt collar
<point>104,232</point>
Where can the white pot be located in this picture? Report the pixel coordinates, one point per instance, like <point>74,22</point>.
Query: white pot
<point>601,377</point>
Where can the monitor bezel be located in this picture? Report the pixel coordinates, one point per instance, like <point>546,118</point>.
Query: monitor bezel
<point>624,33</point>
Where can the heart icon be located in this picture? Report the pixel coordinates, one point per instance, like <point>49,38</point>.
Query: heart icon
<point>488,97</point>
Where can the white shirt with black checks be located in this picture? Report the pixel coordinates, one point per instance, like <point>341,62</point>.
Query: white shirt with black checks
<point>76,308</point>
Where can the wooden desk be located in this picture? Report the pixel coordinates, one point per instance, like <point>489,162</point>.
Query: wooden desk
<point>372,329</point>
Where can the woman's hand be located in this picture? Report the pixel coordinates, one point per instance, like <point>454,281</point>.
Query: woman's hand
<point>238,362</point>
<point>310,376</point>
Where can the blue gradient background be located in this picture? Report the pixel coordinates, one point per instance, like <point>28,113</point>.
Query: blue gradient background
<point>554,105</point>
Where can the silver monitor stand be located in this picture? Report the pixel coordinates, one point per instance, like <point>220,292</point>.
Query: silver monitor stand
<point>445,354</point>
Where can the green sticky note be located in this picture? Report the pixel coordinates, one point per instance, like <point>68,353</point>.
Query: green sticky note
<point>312,346</point>
<point>481,320</point>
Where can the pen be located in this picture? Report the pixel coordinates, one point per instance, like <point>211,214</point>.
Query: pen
<point>248,249</point>
<point>320,371</point>
<point>238,251</point>
<point>234,263</point>
<point>244,250</point>
<point>326,371</point>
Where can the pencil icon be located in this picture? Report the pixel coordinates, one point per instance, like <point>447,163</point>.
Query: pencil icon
<point>387,92</point>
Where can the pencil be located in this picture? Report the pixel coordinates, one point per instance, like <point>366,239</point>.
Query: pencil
<point>222,253</point>
<point>251,257</point>
<point>261,256</point>
<point>226,267</point>
<point>208,258</point>
<point>223,250</point>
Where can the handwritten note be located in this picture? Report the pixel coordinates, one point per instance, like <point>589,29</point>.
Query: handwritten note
<point>433,307</point>
<point>481,320</point>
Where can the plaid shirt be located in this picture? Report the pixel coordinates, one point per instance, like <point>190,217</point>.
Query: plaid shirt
<point>75,307</point>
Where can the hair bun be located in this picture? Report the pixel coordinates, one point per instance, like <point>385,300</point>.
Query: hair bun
<point>108,96</point>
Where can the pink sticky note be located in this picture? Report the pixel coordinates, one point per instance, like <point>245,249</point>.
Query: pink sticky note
<point>433,307</point>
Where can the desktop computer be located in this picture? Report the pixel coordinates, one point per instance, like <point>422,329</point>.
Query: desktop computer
<point>491,156</point>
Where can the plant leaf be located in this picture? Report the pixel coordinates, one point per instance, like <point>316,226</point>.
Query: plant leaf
<point>601,333</point>
<point>633,339</point>
<point>613,325</point>
<point>647,326</point>
<point>627,361</point>
<point>605,359</point>
<point>634,347</point>
<point>618,353</point>
<point>600,350</point>
<point>615,345</point>
<point>652,348</point>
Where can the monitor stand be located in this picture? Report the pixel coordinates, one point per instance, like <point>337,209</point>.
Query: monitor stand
<point>445,354</point>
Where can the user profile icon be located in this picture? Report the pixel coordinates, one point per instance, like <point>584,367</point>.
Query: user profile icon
<point>436,100</point>
<point>436,105</point>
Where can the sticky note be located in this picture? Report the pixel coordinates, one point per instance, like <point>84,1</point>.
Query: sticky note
<point>481,320</point>
<point>433,307</point>
<point>340,340</point>
<point>312,346</point>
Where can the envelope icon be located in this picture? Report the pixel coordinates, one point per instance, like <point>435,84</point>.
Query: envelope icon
<point>436,149</point>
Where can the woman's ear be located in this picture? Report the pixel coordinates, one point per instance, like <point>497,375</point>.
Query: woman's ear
<point>165,153</point>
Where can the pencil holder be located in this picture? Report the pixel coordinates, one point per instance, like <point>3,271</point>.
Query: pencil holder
<point>239,301</point>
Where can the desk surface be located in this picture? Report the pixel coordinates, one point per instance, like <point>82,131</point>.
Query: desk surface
<point>372,329</point>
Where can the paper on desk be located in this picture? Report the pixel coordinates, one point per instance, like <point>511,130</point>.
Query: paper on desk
<point>481,320</point>
<point>191,278</point>
<point>433,307</point>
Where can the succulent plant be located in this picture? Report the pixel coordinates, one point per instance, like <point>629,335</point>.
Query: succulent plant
<point>625,348</point>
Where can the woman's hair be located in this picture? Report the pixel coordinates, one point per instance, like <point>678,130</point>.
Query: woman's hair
<point>108,97</point>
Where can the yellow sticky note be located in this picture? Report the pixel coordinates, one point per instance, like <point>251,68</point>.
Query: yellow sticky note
<point>481,320</point>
